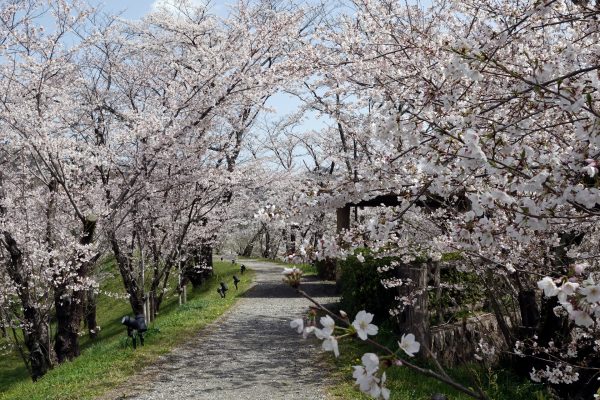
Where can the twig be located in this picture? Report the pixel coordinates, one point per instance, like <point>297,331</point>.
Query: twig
<point>441,377</point>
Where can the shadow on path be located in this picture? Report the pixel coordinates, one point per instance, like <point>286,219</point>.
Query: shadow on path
<point>250,353</point>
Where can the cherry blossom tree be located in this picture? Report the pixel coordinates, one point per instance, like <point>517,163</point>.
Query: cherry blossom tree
<point>480,118</point>
<point>47,228</point>
<point>208,80</point>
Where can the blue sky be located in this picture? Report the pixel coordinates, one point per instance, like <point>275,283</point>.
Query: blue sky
<point>134,9</point>
<point>282,103</point>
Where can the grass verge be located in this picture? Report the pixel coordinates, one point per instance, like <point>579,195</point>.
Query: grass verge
<point>307,269</point>
<point>109,360</point>
<point>405,384</point>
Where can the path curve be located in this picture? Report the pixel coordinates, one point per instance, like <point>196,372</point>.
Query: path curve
<point>249,353</point>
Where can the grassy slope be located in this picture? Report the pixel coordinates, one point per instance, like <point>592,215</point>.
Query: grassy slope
<point>107,361</point>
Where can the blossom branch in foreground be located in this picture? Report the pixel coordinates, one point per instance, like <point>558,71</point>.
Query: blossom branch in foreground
<point>365,375</point>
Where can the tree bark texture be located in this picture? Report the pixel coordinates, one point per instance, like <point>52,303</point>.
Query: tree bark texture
<point>136,298</point>
<point>36,336</point>
<point>70,304</point>
<point>415,317</point>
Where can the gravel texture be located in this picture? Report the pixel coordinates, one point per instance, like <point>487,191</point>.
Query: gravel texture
<point>249,353</point>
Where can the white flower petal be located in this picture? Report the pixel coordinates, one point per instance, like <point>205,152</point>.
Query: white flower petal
<point>362,325</point>
<point>331,344</point>
<point>371,362</point>
<point>297,324</point>
<point>328,324</point>
<point>409,344</point>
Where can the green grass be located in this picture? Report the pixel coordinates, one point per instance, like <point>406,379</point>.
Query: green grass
<point>108,361</point>
<point>11,369</point>
<point>406,384</point>
<point>307,269</point>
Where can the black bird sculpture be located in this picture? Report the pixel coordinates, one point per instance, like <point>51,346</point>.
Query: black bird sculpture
<point>221,293</point>
<point>224,288</point>
<point>243,269</point>
<point>236,280</point>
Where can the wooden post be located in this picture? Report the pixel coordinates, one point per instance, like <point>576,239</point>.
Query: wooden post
<point>415,318</point>
<point>437,284</point>
<point>179,284</point>
<point>343,223</point>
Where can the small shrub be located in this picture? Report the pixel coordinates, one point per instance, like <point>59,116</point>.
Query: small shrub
<point>326,269</point>
<point>361,287</point>
<point>461,294</point>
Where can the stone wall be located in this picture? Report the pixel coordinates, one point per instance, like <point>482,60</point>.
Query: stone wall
<point>456,343</point>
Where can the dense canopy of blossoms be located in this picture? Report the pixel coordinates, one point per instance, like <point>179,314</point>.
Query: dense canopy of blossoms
<point>479,118</point>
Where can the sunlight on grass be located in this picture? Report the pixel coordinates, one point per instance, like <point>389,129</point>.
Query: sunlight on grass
<point>307,269</point>
<point>108,361</point>
<point>409,385</point>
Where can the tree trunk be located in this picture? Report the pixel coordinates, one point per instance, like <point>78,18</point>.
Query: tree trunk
<point>3,323</point>
<point>69,303</point>
<point>201,266</point>
<point>415,317</point>
<point>156,295</point>
<point>136,298</point>
<point>530,314</point>
<point>250,246</point>
<point>293,240</point>
<point>286,240</point>
<point>247,252</point>
<point>437,285</point>
<point>36,335</point>
<point>343,219</point>
<point>267,250</point>
<point>37,340</point>
<point>493,297</point>
<point>343,223</point>
<point>66,342</point>
<point>90,314</point>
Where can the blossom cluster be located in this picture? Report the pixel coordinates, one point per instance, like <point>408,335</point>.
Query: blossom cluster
<point>581,300</point>
<point>370,376</point>
<point>478,122</point>
<point>292,276</point>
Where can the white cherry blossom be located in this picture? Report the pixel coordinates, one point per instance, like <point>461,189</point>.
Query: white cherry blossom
<point>331,344</point>
<point>307,331</point>
<point>328,324</point>
<point>365,376</point>
<point>297,324</point>
<point>364,327</point>
<point>591,293</point>
<point>567,289</point>
<point>581,318</point>
<point>385,392</point>
<point>409,345</point>
<point>548,286</point>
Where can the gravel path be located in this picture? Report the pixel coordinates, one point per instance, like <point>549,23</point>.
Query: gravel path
<point>249,353</point>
